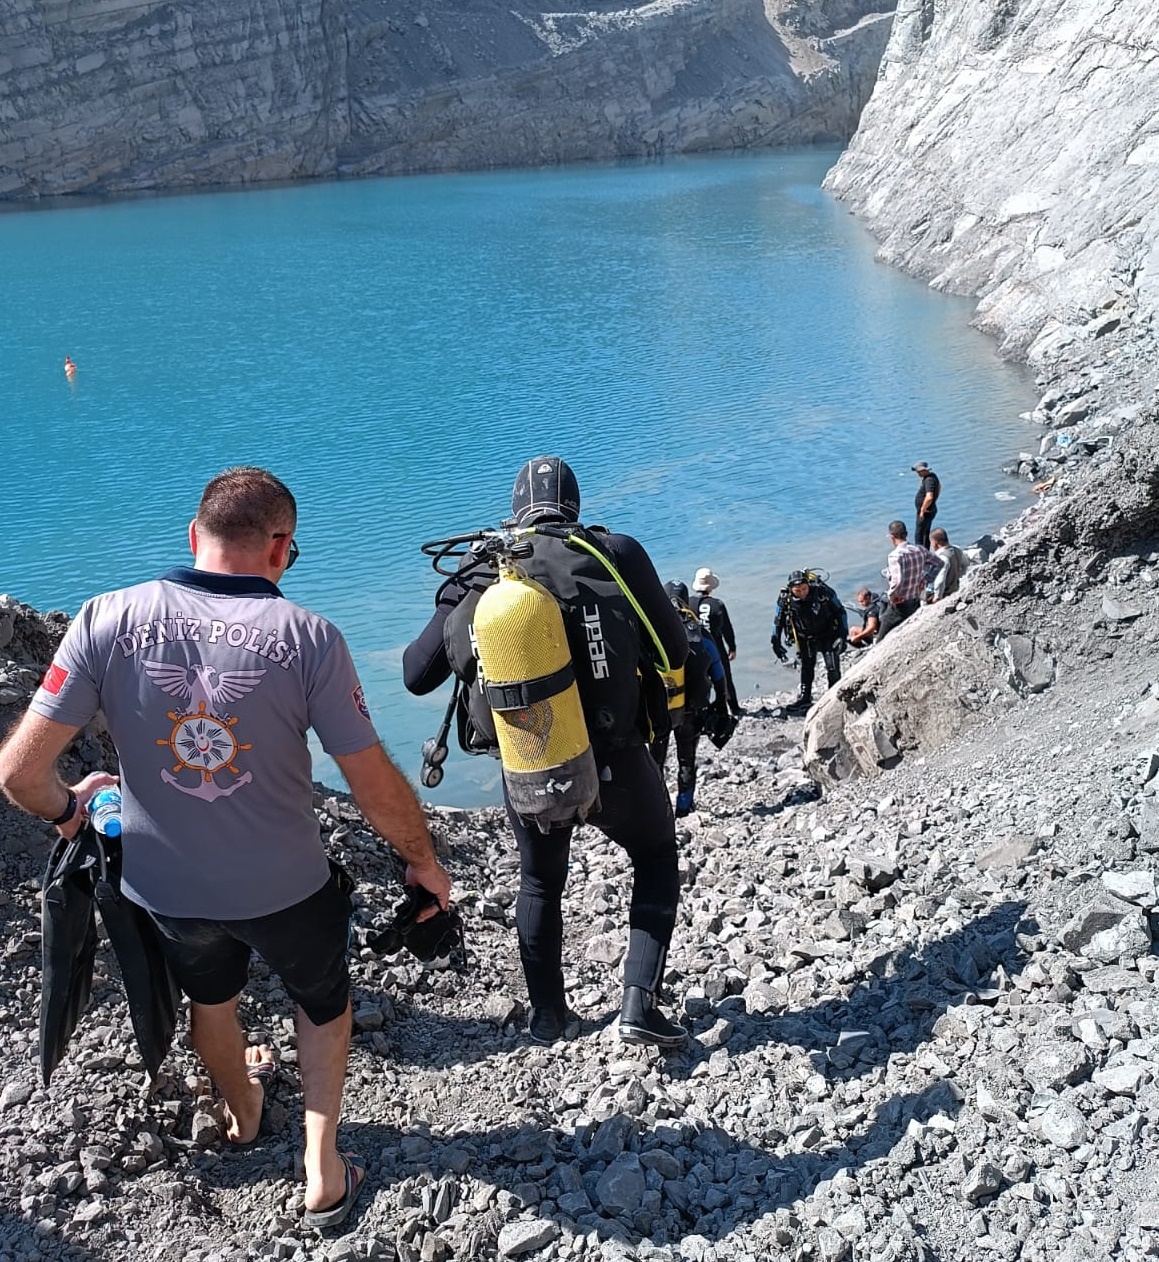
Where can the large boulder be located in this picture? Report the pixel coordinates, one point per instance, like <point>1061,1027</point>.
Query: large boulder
<point>936,674</point>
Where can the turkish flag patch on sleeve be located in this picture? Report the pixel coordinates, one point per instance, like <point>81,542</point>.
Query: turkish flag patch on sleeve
<point>54,680</point>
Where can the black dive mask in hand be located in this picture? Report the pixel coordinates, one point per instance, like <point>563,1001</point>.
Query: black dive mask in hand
<point>435,940</point>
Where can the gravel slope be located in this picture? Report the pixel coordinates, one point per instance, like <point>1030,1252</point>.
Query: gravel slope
<point>924,1016</point>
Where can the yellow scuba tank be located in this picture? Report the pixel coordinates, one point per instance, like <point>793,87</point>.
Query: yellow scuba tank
<point>529,682</point>
<point>674,687</point>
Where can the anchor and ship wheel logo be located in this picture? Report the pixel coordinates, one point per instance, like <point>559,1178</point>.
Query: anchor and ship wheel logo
<point>201,742</point>
<point>202,738</point>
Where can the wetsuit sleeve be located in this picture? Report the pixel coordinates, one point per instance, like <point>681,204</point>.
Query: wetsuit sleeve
<point>638,572</point>
<point>424,660</point>
<point>726,631</point>
<point>715,668</point>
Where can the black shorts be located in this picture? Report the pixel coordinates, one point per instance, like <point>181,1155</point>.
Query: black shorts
<point>306,945</point>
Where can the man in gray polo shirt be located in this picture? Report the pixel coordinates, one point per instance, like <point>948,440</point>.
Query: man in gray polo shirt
<point>209,680</point>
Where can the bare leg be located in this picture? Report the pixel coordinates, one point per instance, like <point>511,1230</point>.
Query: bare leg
<point>220,1043</point>
<point>322,1052</point>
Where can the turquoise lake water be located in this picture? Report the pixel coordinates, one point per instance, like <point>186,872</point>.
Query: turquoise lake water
<point>707,340</point>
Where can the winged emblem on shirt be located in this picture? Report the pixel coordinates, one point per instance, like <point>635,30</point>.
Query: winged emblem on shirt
<point>197,682</point>
<point>202,738</point>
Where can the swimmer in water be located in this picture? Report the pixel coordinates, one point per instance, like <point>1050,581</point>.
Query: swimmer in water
<point>69,367</point>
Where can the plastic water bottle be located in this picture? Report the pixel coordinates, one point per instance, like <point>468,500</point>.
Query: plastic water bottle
<point>105,812</point>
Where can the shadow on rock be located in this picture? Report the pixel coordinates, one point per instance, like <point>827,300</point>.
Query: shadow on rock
<point>893,1009</point>
<point>21,1239</point>
<point>619,1178</point>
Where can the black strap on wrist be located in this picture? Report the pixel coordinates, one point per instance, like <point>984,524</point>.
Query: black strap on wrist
<point>70,808</point>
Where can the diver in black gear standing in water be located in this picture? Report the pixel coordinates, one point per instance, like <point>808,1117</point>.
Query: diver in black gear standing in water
<point>634,810</point>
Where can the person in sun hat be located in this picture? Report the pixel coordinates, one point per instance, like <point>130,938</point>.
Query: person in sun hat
<point>713,615</point>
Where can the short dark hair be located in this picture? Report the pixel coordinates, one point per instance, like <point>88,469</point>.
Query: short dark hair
<point>863,591</point>
<point>245,505</point>
<point>897,530</point>
<point>938,535</point>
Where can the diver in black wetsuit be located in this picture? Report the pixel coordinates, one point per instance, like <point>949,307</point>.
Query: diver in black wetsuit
<point>810,612</point>
<point>714,619</point>
<point>705,701</point>
<point>634,808</point>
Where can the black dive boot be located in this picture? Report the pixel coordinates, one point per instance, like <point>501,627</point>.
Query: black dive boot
<point>549,1025</point>
<point>642,1022</point>
<point>800,706</point>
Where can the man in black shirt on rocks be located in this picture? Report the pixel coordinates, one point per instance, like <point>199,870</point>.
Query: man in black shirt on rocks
<point>926,502</point>
<point>634,809</point>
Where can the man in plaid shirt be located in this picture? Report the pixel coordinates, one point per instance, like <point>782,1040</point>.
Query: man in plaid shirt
<point>910,568</point>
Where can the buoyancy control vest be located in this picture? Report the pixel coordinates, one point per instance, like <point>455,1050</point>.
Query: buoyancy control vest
<point>820,617</point>
<point>603,640</point>
<point>697,666</point>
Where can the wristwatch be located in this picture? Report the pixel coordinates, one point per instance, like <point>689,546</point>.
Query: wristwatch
<point>70,809</point>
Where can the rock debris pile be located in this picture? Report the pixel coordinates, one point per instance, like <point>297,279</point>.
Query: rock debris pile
<point>924,1015</point>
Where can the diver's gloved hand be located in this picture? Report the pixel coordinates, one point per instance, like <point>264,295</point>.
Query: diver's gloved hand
<point>779,649</point>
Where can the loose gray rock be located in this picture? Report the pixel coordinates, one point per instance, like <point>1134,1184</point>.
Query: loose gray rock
<point>981,1182</point>
<point>526,1236</point>
<point>1056,1064</point>
<point>621,1187</point>
<point>1032,667</point>
<point>13,1094</point>
<point>1124,1077</point>
<point>1118,610</point>
<point>1063,1125</point>
<point>1008,853</point>
<point>1106,928</point>
<point>1132,887</point>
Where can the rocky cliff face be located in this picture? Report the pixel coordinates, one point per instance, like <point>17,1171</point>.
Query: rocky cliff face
<point>106,96</point>
<point>1011,150</point>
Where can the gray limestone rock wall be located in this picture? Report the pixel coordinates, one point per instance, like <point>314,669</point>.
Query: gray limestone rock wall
<point>109,96</point>
<point>1011,151</point>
